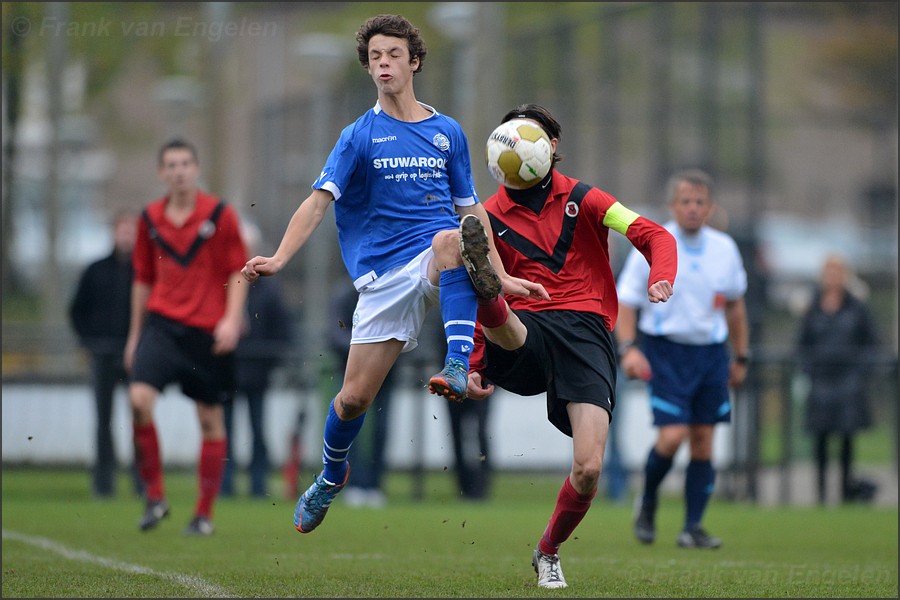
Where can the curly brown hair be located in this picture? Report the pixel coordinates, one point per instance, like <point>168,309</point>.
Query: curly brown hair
<point>392,26</point>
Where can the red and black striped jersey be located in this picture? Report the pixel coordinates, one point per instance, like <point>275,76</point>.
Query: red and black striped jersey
<point>565,246</point>
<point>187,267</point>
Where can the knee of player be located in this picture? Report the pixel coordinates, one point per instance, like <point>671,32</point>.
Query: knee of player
<point>349,404</point>
<point>445,245</point>
<point>587,472</point>
<point>142,398</point>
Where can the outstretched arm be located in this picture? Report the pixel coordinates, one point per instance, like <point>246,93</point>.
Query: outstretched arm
<point>654,242</point>
<point>660,250</point>
<point>305,220</point>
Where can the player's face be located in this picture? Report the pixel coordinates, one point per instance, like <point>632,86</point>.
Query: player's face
<point>691,206</point>
<point>389,64</point>
<point>179,170</point>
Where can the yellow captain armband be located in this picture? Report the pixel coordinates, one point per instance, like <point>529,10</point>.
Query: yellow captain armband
<point>618,218</point>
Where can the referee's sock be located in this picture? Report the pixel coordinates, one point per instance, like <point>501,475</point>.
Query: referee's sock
<point>655,471</point>
<point>699,482</point>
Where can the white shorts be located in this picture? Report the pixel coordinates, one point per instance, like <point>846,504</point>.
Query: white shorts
<point>394,305</point>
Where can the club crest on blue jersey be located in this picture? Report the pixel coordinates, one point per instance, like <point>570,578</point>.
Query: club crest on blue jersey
<point>441,141</point>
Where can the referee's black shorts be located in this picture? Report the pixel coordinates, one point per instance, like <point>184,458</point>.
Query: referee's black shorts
<point>567,354</point>
<point>170,352</point>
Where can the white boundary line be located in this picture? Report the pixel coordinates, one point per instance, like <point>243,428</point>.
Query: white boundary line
<point>195,584</point>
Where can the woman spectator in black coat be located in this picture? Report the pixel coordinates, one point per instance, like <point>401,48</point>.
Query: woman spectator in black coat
<point>836,341</point>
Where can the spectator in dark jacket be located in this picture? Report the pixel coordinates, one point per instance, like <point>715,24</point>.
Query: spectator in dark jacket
<point>99,314</point>
<point>836,339</point>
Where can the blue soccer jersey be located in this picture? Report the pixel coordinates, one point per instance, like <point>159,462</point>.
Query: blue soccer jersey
<point>395,185</point>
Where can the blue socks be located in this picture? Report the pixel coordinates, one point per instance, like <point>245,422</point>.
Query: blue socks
<point>699,483</point>
<point>654,472</point>
<point>459,307</point>
<point>339,436</point>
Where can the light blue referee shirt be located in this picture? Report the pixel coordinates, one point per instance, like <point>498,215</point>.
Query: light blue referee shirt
<point>395,185</point>
<point>710,272</point>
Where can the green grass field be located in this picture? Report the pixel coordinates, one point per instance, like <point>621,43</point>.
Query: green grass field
<point>60,542</point>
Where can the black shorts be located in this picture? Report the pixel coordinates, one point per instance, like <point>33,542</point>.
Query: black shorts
<point>569,355</point>
<point>170,352</point>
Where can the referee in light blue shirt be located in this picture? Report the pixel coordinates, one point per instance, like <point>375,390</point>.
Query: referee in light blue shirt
<point>692,349</point>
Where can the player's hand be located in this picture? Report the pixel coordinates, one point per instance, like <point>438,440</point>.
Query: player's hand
<point>737,374</point>
<point>260,266</point>
<point>660,291</point>
<point>226,335</point>
<point>128,354</point>
<point>522,287</point>
<point>476,390</point>
<point>635,365</point>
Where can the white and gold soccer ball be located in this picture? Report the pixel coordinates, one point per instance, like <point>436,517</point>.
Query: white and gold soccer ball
<point>518,154</point>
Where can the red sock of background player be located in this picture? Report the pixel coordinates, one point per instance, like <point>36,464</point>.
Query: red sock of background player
<point>146,453</point>
<point>570,509</point>
<point>213,454</point>
<point>492,313</point>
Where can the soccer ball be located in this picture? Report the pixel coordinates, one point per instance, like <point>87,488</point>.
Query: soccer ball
<point>518,154</point>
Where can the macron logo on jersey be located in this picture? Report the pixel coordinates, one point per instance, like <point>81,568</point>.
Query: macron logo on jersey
<point>387,138</point>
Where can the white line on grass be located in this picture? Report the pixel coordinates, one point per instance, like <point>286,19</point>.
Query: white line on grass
<point>196,584</point>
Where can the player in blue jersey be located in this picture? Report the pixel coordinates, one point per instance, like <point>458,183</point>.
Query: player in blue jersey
<point>684,353</point>
<point>404,201</point>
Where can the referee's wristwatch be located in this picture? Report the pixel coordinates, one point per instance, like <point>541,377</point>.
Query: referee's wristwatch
<point>624,346</point>
<point>742,359</point>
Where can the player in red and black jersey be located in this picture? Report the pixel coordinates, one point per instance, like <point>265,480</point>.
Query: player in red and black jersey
<point>187,316</point>
<point>555,233</point>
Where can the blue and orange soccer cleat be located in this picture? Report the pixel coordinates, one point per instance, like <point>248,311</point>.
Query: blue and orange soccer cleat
<point>314,503</point>
<point>451,381</point>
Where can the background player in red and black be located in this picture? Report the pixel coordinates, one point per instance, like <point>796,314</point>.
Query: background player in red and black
<point>555,233</point>
<point>188,299</point>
